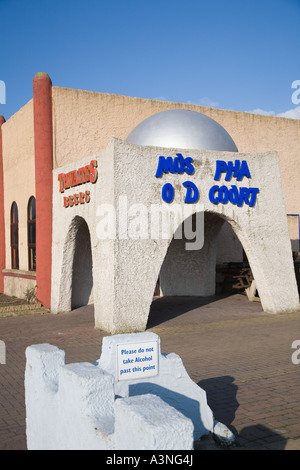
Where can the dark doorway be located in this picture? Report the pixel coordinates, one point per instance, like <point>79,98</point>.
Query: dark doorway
<point>82,269</point>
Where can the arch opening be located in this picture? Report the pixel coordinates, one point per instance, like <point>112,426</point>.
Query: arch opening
<point>82,269</point>
<point>189,279</point>
<point>76,289</point>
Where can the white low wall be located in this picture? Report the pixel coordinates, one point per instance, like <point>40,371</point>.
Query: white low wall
<point>100,407</point>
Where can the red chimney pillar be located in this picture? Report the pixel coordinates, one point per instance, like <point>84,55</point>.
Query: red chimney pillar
<point>43,140</point>
<point>2,221</point>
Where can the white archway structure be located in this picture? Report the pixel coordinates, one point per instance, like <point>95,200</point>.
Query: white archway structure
<point>126,268</point>
<point>137,181</point>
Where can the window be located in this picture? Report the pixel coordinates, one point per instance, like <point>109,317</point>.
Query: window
<point>31,234</point>
<point>14,236</point>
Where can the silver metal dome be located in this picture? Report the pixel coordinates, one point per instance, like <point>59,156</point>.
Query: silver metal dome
<point>182,128</point>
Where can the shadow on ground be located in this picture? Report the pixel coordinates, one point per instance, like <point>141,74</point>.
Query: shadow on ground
<point>221,395</point>
<point>164,309</point>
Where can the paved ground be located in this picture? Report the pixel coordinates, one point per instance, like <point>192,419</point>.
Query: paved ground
<point>238,354</point>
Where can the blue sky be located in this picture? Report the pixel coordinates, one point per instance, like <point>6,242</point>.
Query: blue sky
<point>229,54</point>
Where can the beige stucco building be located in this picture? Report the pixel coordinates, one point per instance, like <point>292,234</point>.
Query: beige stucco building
<point>61,130</point>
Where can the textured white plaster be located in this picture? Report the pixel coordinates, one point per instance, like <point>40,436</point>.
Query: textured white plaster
<point>125,271</point>
<point>154,424</point>
<point>172,384</point>
<point>223,434</point>
<point>83,406</point>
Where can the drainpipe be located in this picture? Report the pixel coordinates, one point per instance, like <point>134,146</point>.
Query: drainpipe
<point>2,222</point>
